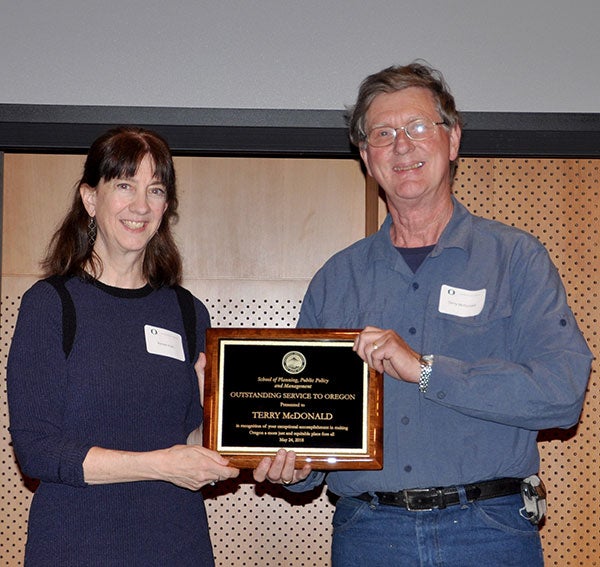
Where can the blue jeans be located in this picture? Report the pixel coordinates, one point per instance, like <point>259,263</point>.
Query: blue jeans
<point>471,534</point>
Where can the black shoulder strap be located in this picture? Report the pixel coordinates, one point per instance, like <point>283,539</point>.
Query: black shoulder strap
<point>69,318</point>
<point>188,313</point>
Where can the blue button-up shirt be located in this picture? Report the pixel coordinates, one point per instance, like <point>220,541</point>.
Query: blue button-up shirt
<point>509,357</point>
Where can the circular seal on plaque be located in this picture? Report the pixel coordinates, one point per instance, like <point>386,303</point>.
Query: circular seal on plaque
<point>294,362</point>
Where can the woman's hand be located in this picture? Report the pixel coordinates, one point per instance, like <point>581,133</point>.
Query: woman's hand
<point>194,466</point>
<point>188,466</point>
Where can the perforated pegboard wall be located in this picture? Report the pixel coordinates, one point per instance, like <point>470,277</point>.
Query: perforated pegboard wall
<point>558,201</point>
<point>14,496</point>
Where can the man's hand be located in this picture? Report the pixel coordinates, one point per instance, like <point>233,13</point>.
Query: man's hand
<point>386,351</point>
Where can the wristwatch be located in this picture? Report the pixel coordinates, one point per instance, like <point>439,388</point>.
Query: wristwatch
<point>426,362</point>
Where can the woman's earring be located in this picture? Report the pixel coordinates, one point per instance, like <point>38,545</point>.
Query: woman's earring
<point>91,232</point>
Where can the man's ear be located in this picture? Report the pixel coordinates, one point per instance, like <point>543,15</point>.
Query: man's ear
<point>363,150</point>
<point>88,198</point>
<point>455,135</point>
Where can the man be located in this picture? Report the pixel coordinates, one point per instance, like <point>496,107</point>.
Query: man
<point>469,322</point>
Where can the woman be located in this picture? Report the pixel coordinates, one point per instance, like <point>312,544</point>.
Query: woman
<point>103,420</point>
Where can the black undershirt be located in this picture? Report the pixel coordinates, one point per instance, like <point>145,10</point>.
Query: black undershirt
<point>414,257</point>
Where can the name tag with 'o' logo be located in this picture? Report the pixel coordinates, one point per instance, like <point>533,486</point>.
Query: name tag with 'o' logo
<point>163,342</point>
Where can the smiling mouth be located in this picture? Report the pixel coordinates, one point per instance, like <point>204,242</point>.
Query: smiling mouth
<point>416,165</point>
<point>134,225</point>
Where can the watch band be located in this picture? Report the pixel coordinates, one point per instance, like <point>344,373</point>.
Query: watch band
<point>426,362</point>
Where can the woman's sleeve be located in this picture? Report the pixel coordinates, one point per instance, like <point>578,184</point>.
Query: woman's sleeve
<point>36,385</point>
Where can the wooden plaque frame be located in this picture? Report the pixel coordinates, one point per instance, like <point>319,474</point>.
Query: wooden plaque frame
<point>267,389</point>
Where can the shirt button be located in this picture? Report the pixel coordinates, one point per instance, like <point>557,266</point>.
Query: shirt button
<point>407,468</point>
<point>415,286</point>
<point>563,323</point>
<point>441,395</point>
<point>412,331</point>
<point>405,420</point>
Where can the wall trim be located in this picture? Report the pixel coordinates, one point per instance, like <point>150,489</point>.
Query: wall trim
<point>276,132</point>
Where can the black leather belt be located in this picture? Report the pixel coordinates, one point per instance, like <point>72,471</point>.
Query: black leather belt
<point>438,498</point>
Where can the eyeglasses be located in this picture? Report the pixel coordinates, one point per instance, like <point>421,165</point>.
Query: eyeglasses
<point>417,130</point>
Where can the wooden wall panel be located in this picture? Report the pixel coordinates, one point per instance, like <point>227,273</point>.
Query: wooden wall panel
<point>253,231</point>
<point>248,221</point>
<point>37,192</point>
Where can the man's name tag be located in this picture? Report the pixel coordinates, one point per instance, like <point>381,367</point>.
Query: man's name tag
<point>461,302</point>
<point>163,342</point>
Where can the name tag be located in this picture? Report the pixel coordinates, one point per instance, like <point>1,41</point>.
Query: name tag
<point>461,302</point>
<point>163,342</point>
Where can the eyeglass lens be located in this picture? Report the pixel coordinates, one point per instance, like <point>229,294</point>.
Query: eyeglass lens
<point>419,129</point>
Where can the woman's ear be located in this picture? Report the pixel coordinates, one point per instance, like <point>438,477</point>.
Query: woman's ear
<point>88,197</point>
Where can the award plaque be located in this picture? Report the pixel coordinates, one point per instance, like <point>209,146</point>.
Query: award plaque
<point>304,390</point>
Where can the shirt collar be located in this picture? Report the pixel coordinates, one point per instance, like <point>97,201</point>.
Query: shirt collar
<point>457,233</point>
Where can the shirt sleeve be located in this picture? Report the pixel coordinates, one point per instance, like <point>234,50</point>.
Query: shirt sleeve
<point>36,378</point>
<point>542,381</point>
<point>314,479</point>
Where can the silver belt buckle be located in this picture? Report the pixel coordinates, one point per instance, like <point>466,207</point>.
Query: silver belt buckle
<point>424,491</point>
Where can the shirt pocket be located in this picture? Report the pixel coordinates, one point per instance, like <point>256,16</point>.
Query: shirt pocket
<point>472,338</point>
